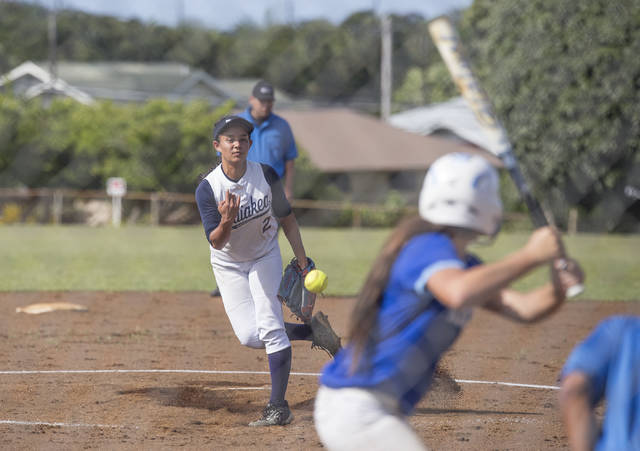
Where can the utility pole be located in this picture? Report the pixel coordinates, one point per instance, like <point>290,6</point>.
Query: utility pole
<point>53,32</point>
<point>385,68</point>
<point>290,12</point>
<point>180,13</point>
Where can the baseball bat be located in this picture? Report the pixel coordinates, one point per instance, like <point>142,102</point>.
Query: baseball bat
<point>449,45</point>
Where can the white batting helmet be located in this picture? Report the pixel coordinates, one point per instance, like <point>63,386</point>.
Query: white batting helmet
<point>462,190</point>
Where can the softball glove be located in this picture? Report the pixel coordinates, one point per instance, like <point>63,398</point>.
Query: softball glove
<point>292,292</point>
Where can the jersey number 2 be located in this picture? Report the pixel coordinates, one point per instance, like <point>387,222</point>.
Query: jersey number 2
<point>265,224</point>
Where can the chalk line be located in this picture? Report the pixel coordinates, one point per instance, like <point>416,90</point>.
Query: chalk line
<point>151,371</point>
<point>57,424</point>
<point>509,384</point>
<point>293,373</point>
<point>235,388</point>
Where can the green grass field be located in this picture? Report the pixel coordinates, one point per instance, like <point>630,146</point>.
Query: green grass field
<point>177,259</point>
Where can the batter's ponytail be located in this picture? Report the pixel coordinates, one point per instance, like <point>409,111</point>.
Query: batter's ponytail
<point>363,323</point>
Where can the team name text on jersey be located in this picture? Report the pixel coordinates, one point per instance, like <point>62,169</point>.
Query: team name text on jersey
<point>253,209</point>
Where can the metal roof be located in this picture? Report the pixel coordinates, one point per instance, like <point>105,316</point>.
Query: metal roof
<point>454,116</point>
<point>342,140</point>
<point>141,81</point>
<point>39,81</point>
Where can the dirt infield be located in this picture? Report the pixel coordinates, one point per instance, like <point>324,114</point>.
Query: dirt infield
<point>100,379</point>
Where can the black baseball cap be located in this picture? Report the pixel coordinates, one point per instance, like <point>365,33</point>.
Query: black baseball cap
<point>263,90</point>
<point>230,121</point>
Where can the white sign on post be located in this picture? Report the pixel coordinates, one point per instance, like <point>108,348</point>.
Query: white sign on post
<point>116,188</point>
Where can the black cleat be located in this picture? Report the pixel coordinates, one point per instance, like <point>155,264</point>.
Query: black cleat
<point>273,415</point>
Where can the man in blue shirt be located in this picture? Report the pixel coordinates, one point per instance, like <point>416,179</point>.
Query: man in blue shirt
<point>273,141</point>
<point>605,366</point>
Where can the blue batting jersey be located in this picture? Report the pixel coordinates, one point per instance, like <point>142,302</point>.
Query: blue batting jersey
<point>413,329</point>
<point>273,141</point>
<point>610,358</point>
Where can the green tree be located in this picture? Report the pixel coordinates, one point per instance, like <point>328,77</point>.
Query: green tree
<point>156,146</point>
<point>23,34</point>
<point>312,59</point>
<point>564,78</point>
<point>11,114</point>
<point>411,92</point>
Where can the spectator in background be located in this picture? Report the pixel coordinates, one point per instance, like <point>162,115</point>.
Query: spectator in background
<point>605,366</point>
<point>273,142</point>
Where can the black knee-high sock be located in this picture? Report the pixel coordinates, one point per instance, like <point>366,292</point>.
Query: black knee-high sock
<point>279,367</point>
<point>297,331</point>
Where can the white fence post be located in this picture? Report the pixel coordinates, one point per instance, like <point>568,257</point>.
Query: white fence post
<point>116,188</point>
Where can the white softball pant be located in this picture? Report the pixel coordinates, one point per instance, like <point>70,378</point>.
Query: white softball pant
<point>357,419</point>
<point>249,294</point>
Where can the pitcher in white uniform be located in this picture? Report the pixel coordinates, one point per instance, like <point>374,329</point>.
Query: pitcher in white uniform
<point>241,203</point>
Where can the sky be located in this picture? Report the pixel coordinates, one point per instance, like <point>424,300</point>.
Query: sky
<point>225,15</point>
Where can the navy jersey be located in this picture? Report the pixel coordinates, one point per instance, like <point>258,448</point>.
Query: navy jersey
<point>255,230</point>
<point>413,329</point>
<point>610,358</point>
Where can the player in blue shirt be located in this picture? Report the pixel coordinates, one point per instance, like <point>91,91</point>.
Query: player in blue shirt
<point>418,297</point>
<point>605,366</point>
<point>273,142</point>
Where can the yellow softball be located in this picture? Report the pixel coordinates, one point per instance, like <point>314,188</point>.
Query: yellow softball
<point>315,281</point>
